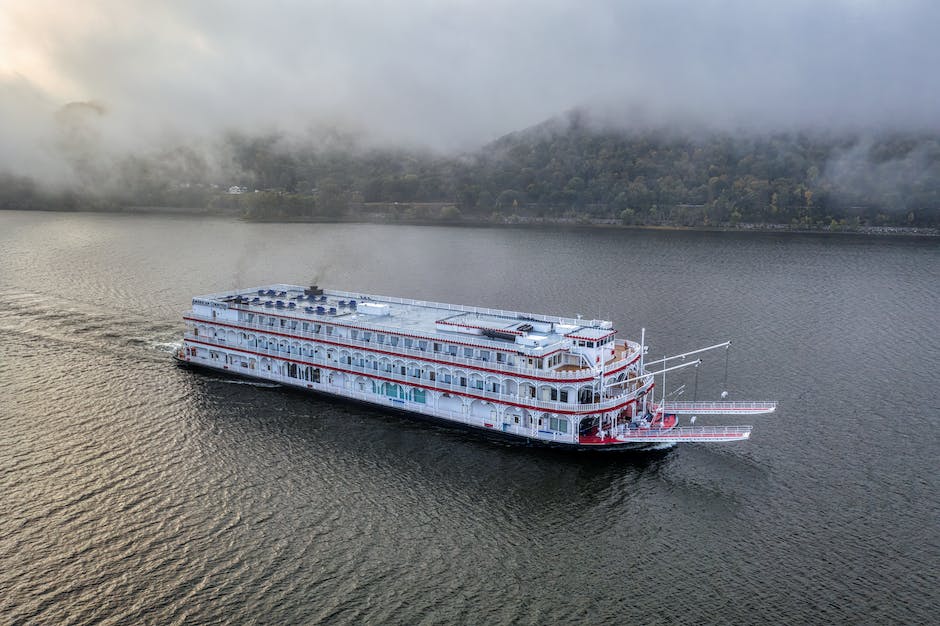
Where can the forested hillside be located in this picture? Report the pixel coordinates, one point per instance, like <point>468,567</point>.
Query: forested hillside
<point>567,168</point>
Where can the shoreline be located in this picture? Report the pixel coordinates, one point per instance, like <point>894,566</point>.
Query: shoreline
<point>525,223</point>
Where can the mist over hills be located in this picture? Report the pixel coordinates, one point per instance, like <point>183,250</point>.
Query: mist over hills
<point>573,167</point>
<point>680,112</point>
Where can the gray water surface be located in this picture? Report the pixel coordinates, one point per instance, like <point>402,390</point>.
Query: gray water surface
<point>137,492</point>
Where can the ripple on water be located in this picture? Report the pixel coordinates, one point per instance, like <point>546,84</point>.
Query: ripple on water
<point>136,492</point>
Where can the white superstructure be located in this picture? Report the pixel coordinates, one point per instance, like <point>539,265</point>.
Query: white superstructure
<point>553,380</point>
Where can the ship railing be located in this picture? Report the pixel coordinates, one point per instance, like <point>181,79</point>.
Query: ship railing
<point>472,309</point>
<point>687,432</point>
<point>547,406</point>
<point>416,353</point>
<point>486,422</point>
<point>720,408</point>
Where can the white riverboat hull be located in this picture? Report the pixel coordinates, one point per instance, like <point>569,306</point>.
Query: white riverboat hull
<point>561,382</point>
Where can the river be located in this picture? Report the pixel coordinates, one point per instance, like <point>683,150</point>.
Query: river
<point>138,492</point>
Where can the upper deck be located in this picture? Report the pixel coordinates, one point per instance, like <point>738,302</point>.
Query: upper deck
<point>524,333</point>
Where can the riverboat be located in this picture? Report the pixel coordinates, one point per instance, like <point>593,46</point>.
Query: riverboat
<point>541,379</point>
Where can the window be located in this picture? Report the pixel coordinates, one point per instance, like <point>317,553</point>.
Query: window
<point>563,396</point>
<point>554,395</point>
<point>446,379</point>
<point>558,424</point>
<point>354,334</point>
<point>329,330</point>
<point>452,350</point>
<point>422,345</point>
<point>484,355</point>
<point>468,353</point>
<point>437,347</point>
<point>478,384</point>
<point>380,338</point>
<point>408,342</point>
<point>463,381</point>
<point>500,357</point>
<point>367,337</point>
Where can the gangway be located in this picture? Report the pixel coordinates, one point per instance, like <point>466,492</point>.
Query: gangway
<point>684,434</point>
<point>719,408</point>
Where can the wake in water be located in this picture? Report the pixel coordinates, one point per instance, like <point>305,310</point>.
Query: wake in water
<point>169,347</point>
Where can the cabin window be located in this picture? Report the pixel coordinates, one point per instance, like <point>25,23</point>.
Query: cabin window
<point>446,379</point>
<point>452,350</point>
<point>554,395</point>
<point>437,347</point>
<point>250,317</point>
<point>354,334</point>
<point>468,353</point>
<point>408,342</point>
<point>393,340</point>
<point>402,370</point>
<point>500,357</point>
<point>432,375</point>
<point>558,424</point>
<point>329,330</point>
<point>367,337</point>
<point>484,355</point>
<point>478,384</point>
<point>463,381</point>
<point>422,345</point>
<point>563,396</point>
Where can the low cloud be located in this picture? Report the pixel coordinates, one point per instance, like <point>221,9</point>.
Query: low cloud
<point>444,76</point>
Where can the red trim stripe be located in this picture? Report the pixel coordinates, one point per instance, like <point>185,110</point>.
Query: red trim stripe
<point>398,382</point>
<point>420,359</point>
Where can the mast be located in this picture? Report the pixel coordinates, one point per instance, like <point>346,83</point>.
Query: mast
<point>642,364</point>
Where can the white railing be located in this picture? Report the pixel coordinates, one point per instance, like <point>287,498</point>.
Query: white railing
<point>471,309</point>
<point>401,350</point>
<point>474,392</point>
<point>720,408</point>
<point>367,297</point>
<point>687,433</point>
<point>496,424</point>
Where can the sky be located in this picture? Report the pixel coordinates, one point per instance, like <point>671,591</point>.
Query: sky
<point>451,75</point>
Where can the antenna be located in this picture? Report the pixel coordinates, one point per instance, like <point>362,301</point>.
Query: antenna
<point>724,384</point>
